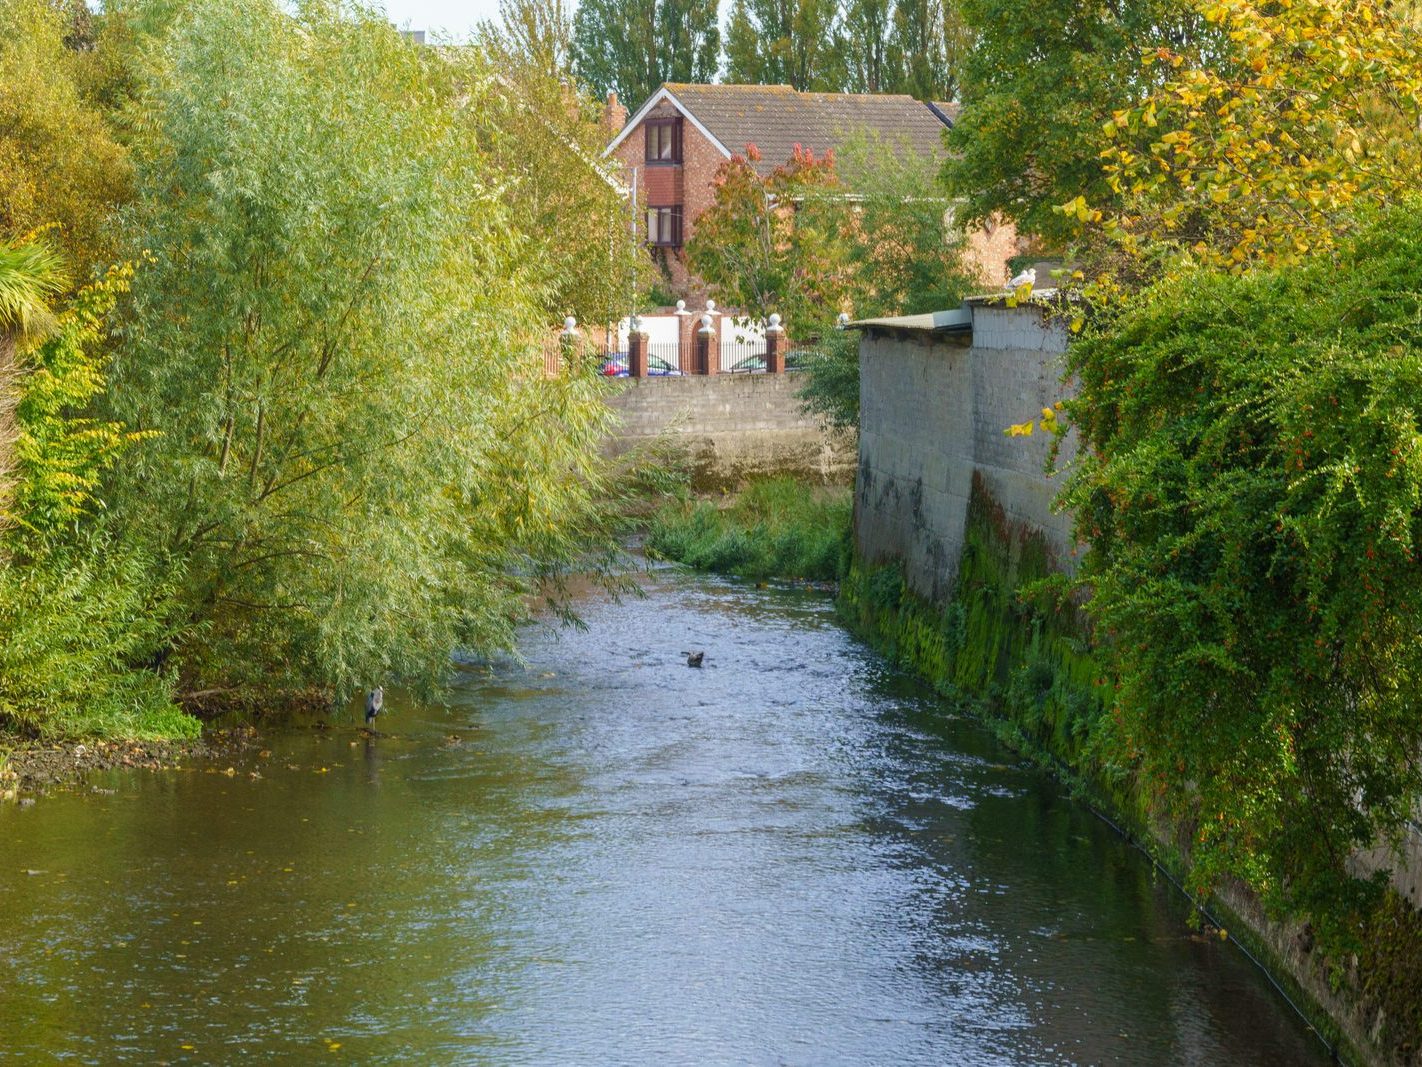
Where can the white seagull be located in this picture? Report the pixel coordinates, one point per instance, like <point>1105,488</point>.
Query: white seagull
<point>1028,278</point>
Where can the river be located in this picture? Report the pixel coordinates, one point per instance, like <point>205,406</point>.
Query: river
<point>793,855</point>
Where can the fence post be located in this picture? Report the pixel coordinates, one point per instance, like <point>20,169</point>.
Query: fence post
<point>636,350</point>
<point>774,346</point>
<point>685,338</point>
<point>708,354</point>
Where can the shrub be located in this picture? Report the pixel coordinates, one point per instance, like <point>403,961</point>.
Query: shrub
<point>1251,490</point>
<point>777,528</point>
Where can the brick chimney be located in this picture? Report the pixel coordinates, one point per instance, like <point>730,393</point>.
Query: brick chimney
<point>614,116</point>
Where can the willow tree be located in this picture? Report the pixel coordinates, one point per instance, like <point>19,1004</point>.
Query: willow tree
<point>360,466</point>
<point>542,133</point>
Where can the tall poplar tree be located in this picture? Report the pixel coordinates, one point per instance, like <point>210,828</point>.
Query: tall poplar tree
<point>539,32</point>
<point>871,64</point>
<point>632,48</point>
<point>926,45</point>
<point>786,42</point>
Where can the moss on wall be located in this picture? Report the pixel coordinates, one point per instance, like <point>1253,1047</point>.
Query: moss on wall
<point>1009,646</point>
<point>1006,642</point>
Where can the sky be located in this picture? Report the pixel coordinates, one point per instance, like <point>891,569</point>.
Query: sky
<point>456,16</point>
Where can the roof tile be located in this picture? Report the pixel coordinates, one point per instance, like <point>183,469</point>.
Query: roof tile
<point>775,118</point>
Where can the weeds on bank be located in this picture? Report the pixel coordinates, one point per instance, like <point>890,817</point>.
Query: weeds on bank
<point>776,528</point>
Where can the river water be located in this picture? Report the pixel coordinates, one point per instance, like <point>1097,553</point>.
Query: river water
<point>791,856</point>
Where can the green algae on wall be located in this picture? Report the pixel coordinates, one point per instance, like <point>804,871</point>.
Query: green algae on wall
<point>1008,642</point>
<point>1012,647</point>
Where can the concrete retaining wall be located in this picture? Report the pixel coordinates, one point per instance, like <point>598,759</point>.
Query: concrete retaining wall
<point>933,407</point>
<point>933,411</point>
<point>732,428</point>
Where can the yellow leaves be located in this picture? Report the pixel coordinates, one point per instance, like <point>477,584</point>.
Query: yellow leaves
<point>1313,112</point>
<point>1050,421</point>
<point>1079,210</point>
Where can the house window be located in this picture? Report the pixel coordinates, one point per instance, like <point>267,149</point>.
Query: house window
<point>664,226</point>
<point>663,140</point>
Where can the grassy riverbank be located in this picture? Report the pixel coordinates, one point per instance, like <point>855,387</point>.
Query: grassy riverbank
<point>776,528</point>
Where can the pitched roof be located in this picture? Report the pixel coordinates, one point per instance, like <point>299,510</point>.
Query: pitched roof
<point>775,118</point>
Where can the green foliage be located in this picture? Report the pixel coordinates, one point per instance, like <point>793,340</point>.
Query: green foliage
<point>536,33</point>
<point>771,42</point>
<point>361,466</point>
<point>869,235</point>
<point>1038,85</point>
<point>1251,489</point>
<point>74,624</point>
<point>760,255</point>
<point>632,48</point>
<point>540,132</point>
<point>61,456</point>
<point>31,274</point>
<point>874,65</point>
<point>78,613</point>
<point>1390,970</point>
<point>1262,152</point>
<point>59,160</point>
<point>905,249</point>
<point>776,528</point>
<point>831,388</point>
<point>926,48</point>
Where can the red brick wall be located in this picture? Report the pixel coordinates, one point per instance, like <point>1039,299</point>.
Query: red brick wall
<point>988,250</point>
<point>688,185</point>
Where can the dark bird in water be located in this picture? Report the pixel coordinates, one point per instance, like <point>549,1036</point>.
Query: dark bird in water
<point>374,703</point>
<point>693,659</point>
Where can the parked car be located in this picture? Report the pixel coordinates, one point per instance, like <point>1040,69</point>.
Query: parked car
<point>795,359</point>
<point>657,367</point>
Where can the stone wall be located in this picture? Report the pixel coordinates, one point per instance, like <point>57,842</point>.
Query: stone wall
<point>933,412</point>
<point>732,428</point>
<point>687,183</point>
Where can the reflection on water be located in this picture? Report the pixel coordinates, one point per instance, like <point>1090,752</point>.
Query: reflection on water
<point>791,856</point>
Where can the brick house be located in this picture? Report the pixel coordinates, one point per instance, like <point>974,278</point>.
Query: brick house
<point>672,146</point>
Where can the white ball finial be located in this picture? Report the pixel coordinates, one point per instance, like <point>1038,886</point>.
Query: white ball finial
<point>570,325</point>
<point>843,319</point>
<point>706,323</point>
<point>774,325</point>
<point>710,306</point>
<point>681,305</point>
<point>634,324</point>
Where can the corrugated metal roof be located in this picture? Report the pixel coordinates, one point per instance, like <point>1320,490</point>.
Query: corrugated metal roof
<point>775,118</point>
